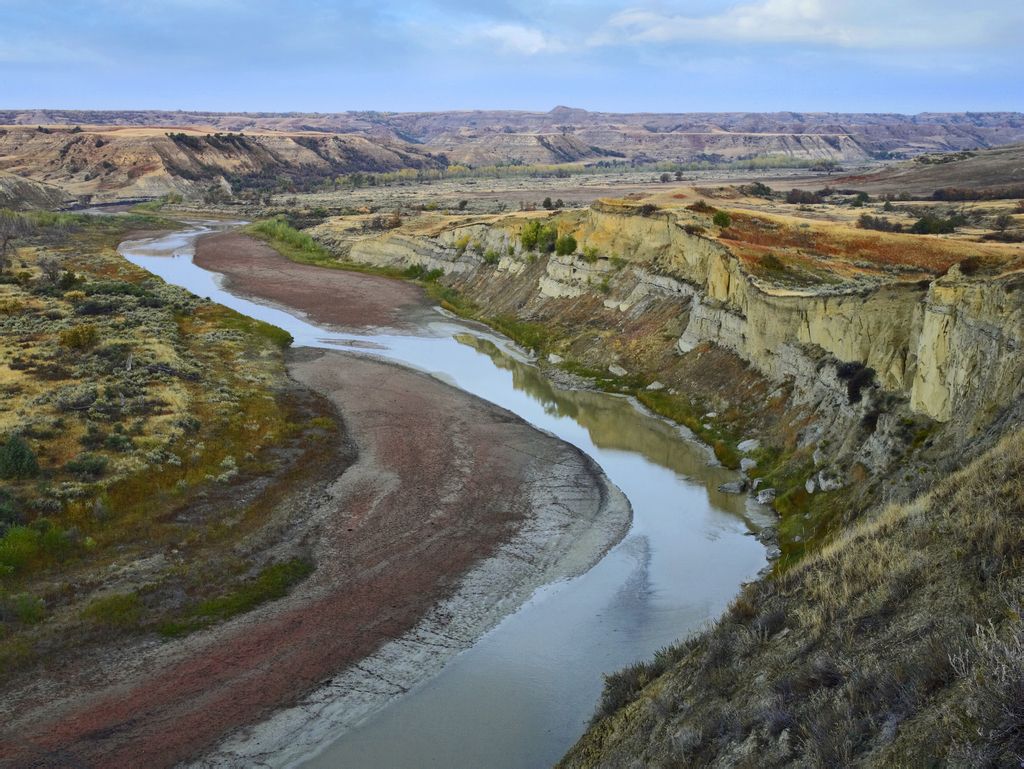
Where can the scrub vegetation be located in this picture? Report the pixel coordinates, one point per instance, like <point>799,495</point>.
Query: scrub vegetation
<point>137,421</point>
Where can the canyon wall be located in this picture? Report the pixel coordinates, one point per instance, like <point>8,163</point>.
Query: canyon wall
<point>953,348</point>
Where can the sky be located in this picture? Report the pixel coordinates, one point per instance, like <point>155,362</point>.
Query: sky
<point>903,56</point>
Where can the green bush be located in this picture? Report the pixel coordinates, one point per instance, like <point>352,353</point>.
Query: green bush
<point>565,245</point>
<point>721,219</point>
<point>538,237</point>
<point>27,608</point>
<point>19,546</point>
<point>120,610</point>
<point>87,466</point>
<point>491,257</point>
<point>272,582</point>
<point>17,459</point>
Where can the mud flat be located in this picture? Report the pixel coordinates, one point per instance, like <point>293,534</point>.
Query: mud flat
<point>450,514</point>
<point>346,299</point>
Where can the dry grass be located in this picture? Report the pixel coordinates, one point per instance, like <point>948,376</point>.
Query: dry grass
<point>866,651</point>
<point>169,425</point>
<point>848,251</point>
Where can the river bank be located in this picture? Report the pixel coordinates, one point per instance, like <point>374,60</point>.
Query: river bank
<point>440,483</point>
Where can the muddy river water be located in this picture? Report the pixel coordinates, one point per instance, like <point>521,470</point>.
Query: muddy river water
<point>523,693</point>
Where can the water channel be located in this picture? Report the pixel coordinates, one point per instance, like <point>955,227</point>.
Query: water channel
<point>523,693</point>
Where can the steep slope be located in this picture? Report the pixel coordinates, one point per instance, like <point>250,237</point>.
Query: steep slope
<point>900,644</point>
<point>890,629</point>
<point>23,194</point>
<point>110,163</point>
<point>996,169</point>
<point>484,137</point>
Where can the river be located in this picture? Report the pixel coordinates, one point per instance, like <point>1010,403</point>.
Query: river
<point>523,693</point>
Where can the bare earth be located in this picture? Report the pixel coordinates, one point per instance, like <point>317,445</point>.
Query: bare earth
<point>428,524</point>
<point>348,299</point>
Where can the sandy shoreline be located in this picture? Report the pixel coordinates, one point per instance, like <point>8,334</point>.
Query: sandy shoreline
<point>567,516</point>
<point>451,513</point>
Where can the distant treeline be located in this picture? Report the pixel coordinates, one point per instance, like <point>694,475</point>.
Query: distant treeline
<point>968,193</point>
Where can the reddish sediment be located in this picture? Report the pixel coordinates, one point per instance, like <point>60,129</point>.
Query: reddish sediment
<point>440,480</point>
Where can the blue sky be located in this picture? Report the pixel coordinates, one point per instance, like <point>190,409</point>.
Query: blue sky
<point>615,55</point>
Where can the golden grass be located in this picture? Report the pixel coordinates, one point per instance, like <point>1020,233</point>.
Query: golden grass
<point>848,250</point>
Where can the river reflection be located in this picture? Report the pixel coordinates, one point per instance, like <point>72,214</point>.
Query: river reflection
<point>522,694</point>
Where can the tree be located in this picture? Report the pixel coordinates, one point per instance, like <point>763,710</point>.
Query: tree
<point>17,459</point>
<point>463,204</point>
<point>679,176</point>
<point>665,178</point>
<point>547,204</point>
<point>565,245</point>
<point>50,268</point>
<point>1003,221</point>
<point>721,219</point>
<point>12,227</point>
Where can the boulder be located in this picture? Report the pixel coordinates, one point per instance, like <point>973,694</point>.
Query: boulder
<point>617,370</point>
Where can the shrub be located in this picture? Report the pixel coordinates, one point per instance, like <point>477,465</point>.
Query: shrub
<point>772,263</point>
<point>18,547</point>
<point>930,224</point>
<point>10,510</point>
<point>17,459</point>
<point>120,610</point>
<point>590,254</point>
<point>565,245</point>
<point>721,219</point>
<point>857,376</point>
<point>461,244</point>
<point>79,337</point>
<point>880,223</point>
<point>491,257</point>
<point>756,190</point>
<point>701,207</point>
<point>87,466</point>
<point>802,197</point>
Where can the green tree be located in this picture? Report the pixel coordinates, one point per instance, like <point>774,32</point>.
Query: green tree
<point>722,219</point>
<point>17,459</point>
<point>565,245</point>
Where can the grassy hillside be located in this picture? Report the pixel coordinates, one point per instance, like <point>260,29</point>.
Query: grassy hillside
<point>899,644</point>
<point>146,436</point>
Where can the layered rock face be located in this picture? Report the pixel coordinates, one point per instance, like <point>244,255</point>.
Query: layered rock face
<point>953,349</point>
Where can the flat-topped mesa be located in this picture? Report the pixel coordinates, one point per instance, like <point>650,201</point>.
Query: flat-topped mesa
<point>952,346</point>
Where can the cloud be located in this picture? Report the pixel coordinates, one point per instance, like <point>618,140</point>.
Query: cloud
<point>869,24</point>
<point>516,38</point>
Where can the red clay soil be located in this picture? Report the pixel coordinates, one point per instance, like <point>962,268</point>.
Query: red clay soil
<point>336,297</point>
<point>441,480</point>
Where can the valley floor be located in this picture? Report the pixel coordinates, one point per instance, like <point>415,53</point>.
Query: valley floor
<point>422,486</point>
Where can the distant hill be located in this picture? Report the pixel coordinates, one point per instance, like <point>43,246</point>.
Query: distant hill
<point>24,194</point>
<point>112,154</point>
<point>1000,168</point>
